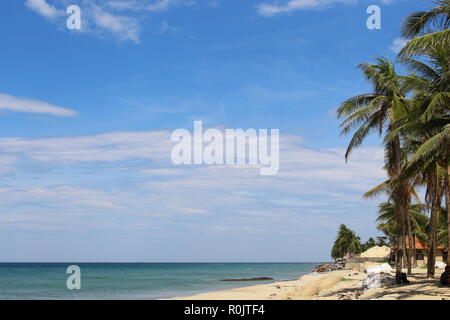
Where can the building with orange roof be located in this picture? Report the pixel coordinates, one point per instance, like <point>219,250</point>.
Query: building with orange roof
<point>420,248</point>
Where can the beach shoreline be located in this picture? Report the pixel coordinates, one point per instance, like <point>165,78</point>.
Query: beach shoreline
<point>334,285</point>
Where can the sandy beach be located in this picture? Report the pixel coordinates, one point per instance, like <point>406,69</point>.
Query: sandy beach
<point>335,285</point>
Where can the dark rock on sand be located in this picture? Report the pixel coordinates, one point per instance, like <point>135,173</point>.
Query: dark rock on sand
<point>249,279</point>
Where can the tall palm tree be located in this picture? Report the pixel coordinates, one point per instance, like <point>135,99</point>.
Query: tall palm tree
<point>434,197</point>
<point>429,123</point>
<point>447,207</point>
<point>427,28</point>
<point>379,111</point>
<point>425,171</point>
<point>387,222</point>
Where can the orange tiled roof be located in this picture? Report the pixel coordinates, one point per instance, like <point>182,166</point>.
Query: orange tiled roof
<point>418,244</point>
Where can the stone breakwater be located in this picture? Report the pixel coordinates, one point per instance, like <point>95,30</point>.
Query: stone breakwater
<point>333,266</point>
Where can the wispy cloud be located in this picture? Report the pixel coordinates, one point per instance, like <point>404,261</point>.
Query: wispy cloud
<point>158,5</point>
<point>17,104</point>
<point>122,27</point>
<point>274,8</point>
<point>43,8</point>
<point>165,27</point>
<point>307,180</point>
<point>116,18</point>
<point>107,147</point>
<point>125,182</point>
<point>122,4</point>
<point>398,44</point>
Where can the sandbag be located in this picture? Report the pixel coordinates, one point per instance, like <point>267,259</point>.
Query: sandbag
<point>372,282</point>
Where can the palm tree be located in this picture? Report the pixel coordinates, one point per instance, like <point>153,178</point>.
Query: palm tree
<point>387,226</point>
<point>370,243</point>
<point>433,175</point>
<point>442,234</point>
<point>428,123</point>
<point>427,29</point>
<point>347,242</point>
<point>447,207</point>
<point>386,221</point>
<point>379,111</point>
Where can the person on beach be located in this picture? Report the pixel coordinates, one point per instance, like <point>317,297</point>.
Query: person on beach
<point>445,276</point>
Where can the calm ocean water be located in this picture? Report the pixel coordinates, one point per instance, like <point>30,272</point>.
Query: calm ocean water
<point>136,280</point>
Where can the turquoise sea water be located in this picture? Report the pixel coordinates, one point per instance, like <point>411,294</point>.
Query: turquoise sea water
<point>136,280</point>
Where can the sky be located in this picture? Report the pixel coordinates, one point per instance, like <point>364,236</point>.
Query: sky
<point>86,118</point>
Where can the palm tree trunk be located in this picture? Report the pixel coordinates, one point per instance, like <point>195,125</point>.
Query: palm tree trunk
<point>403,201</point>
<point>405,254</point>
<point>401,197</point>
<point>447,207</point>
<point>400,234</point>
<point>399,257</point>
<point>432,240</point>
<point>408,251</point>
<point>436,199</point>
<point>400,231</point>
<point>396,255</point>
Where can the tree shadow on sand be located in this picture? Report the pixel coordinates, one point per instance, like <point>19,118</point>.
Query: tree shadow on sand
<point>419,286</point>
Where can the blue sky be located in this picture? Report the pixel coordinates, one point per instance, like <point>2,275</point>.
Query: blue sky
<point>86,117</point>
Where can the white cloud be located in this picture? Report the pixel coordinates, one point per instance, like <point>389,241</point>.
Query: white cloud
<point>66,196</point>
<point>271,9</point>
<point>100,17</point>
<point>109,147</point>
<point>126,181</point>
<point>191,210</point>
<point>122,4</point>
<point>398,44</point>
<point>7,164</point>
<point>17,104</point>
<point>165,27</point>
<point>43,8</point>
<point>122,27</point>
<point>266,9</point>
<point>296,160</point>
<point>158,5</point>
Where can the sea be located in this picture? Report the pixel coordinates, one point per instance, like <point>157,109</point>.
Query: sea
<point>143,281</point>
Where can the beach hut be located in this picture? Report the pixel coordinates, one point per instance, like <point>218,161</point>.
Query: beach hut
<point>419,248</point>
